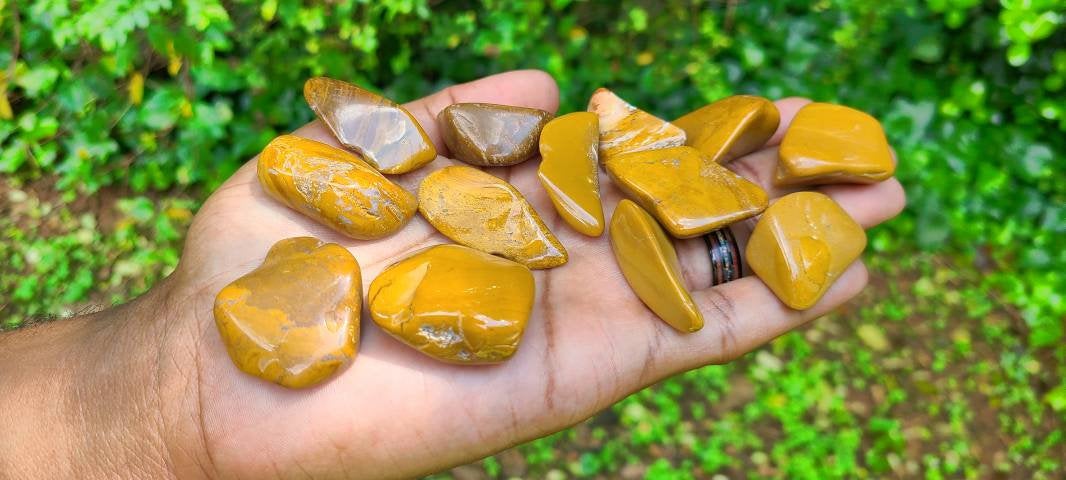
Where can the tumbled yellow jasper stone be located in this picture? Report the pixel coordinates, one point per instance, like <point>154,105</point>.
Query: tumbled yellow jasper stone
<point>294,320</point>
<point>625,128</point>
<point>689,194</point>
<point>731,127</point>
<point>383,132</point>
<point>829,143</point>
<point>802,243</point>
<point>454,303</point>
<point>569,170</point>
<point>649,264</point>
<point>333,187</point>
<point>481,211</point>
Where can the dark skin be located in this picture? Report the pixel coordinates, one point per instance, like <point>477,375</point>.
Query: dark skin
<point>146,389</point>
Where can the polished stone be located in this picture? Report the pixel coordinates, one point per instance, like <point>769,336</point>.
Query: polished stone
<point>569,170</point>
<point>731,127</point>
<point>490,135</point>
<point>649,264</point>
<point>333,187</point>
<point>454,303</point>
<point>802,243</point>
<point>688,193</point>
<point>294,320</point>
<point>481,211</point>
<point>829,143</point>
<point>387,136</point>
<point>625,128</point>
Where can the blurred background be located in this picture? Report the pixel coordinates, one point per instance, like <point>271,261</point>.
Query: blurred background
<point>117,118</point>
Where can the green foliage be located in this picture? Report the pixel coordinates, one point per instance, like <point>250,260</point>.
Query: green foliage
<point>56,258</point>
<point>147,97</point>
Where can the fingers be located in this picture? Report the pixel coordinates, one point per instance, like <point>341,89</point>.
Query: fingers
<point>870,205</point>
<point>787,107</point>
<point>742,315</point>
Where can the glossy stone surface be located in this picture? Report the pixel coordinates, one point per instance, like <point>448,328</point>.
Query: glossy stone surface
<point>481,211</point>
<point>383,132</point>
<point>625,128</point>
<point>802,243</point>
<point>688,193</point>
<point>649,264</point>
<point>294,320</point>
<point>490,135</point>
<point>731,127</point>
<point>569,170</point>
<point>333,187</point>
<point>829,143</point>
<point>454,303</point>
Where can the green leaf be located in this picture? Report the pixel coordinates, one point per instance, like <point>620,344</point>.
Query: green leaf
<point>161,110</point>
<point>38,81</point>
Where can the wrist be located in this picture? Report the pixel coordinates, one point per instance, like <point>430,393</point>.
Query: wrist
<point>92,396</point>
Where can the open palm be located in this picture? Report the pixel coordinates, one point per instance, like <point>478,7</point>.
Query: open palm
<point>398,413</point>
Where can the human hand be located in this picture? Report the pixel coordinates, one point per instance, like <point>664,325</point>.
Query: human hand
<point>397,413</point>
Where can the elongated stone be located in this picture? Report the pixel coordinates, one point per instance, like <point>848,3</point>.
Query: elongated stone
<point>333,187</point>
<point>454,303</point>
<point>731,127</point>
<point>383,132</point>
<point>625,128</point>
<point>802,243</point>
<point>481,211</point>
<point>829,143</point>
<point>649,264</point>
<point>569,170</point>
<point>490,135</point>
<point>688,193</point>
<point>294,320</point>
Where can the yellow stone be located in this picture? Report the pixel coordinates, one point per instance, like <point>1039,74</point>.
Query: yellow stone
<point>383,132</point>
<point>454,303</point>
<point>731,127</point>
<point>569,170</point>
<point>829,143</point>
<point>625,128</point>
<point>294,320</point>
<point>802,243</point>
<point>688,193</point>
<point>333,187</point>
<point>481,211</point>
<point>649,264</point>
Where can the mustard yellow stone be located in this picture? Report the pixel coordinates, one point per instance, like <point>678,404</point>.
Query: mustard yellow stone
<point>569,170</point>
<point>802,243</point>
<point>829,143</point>
<point>294,320</point>
<point>688,193</point>
<point>454,303</point>
<point>481,211</point>
<point>649,264</point>
<point>333,187</point>
<point>625,128</point>
<point>387,136</point>
<point>731,127</point>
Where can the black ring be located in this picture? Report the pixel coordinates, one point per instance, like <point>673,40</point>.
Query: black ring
<point>726,265</point>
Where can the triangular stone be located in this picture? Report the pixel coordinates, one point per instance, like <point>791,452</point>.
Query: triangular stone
<point>490,135</point>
